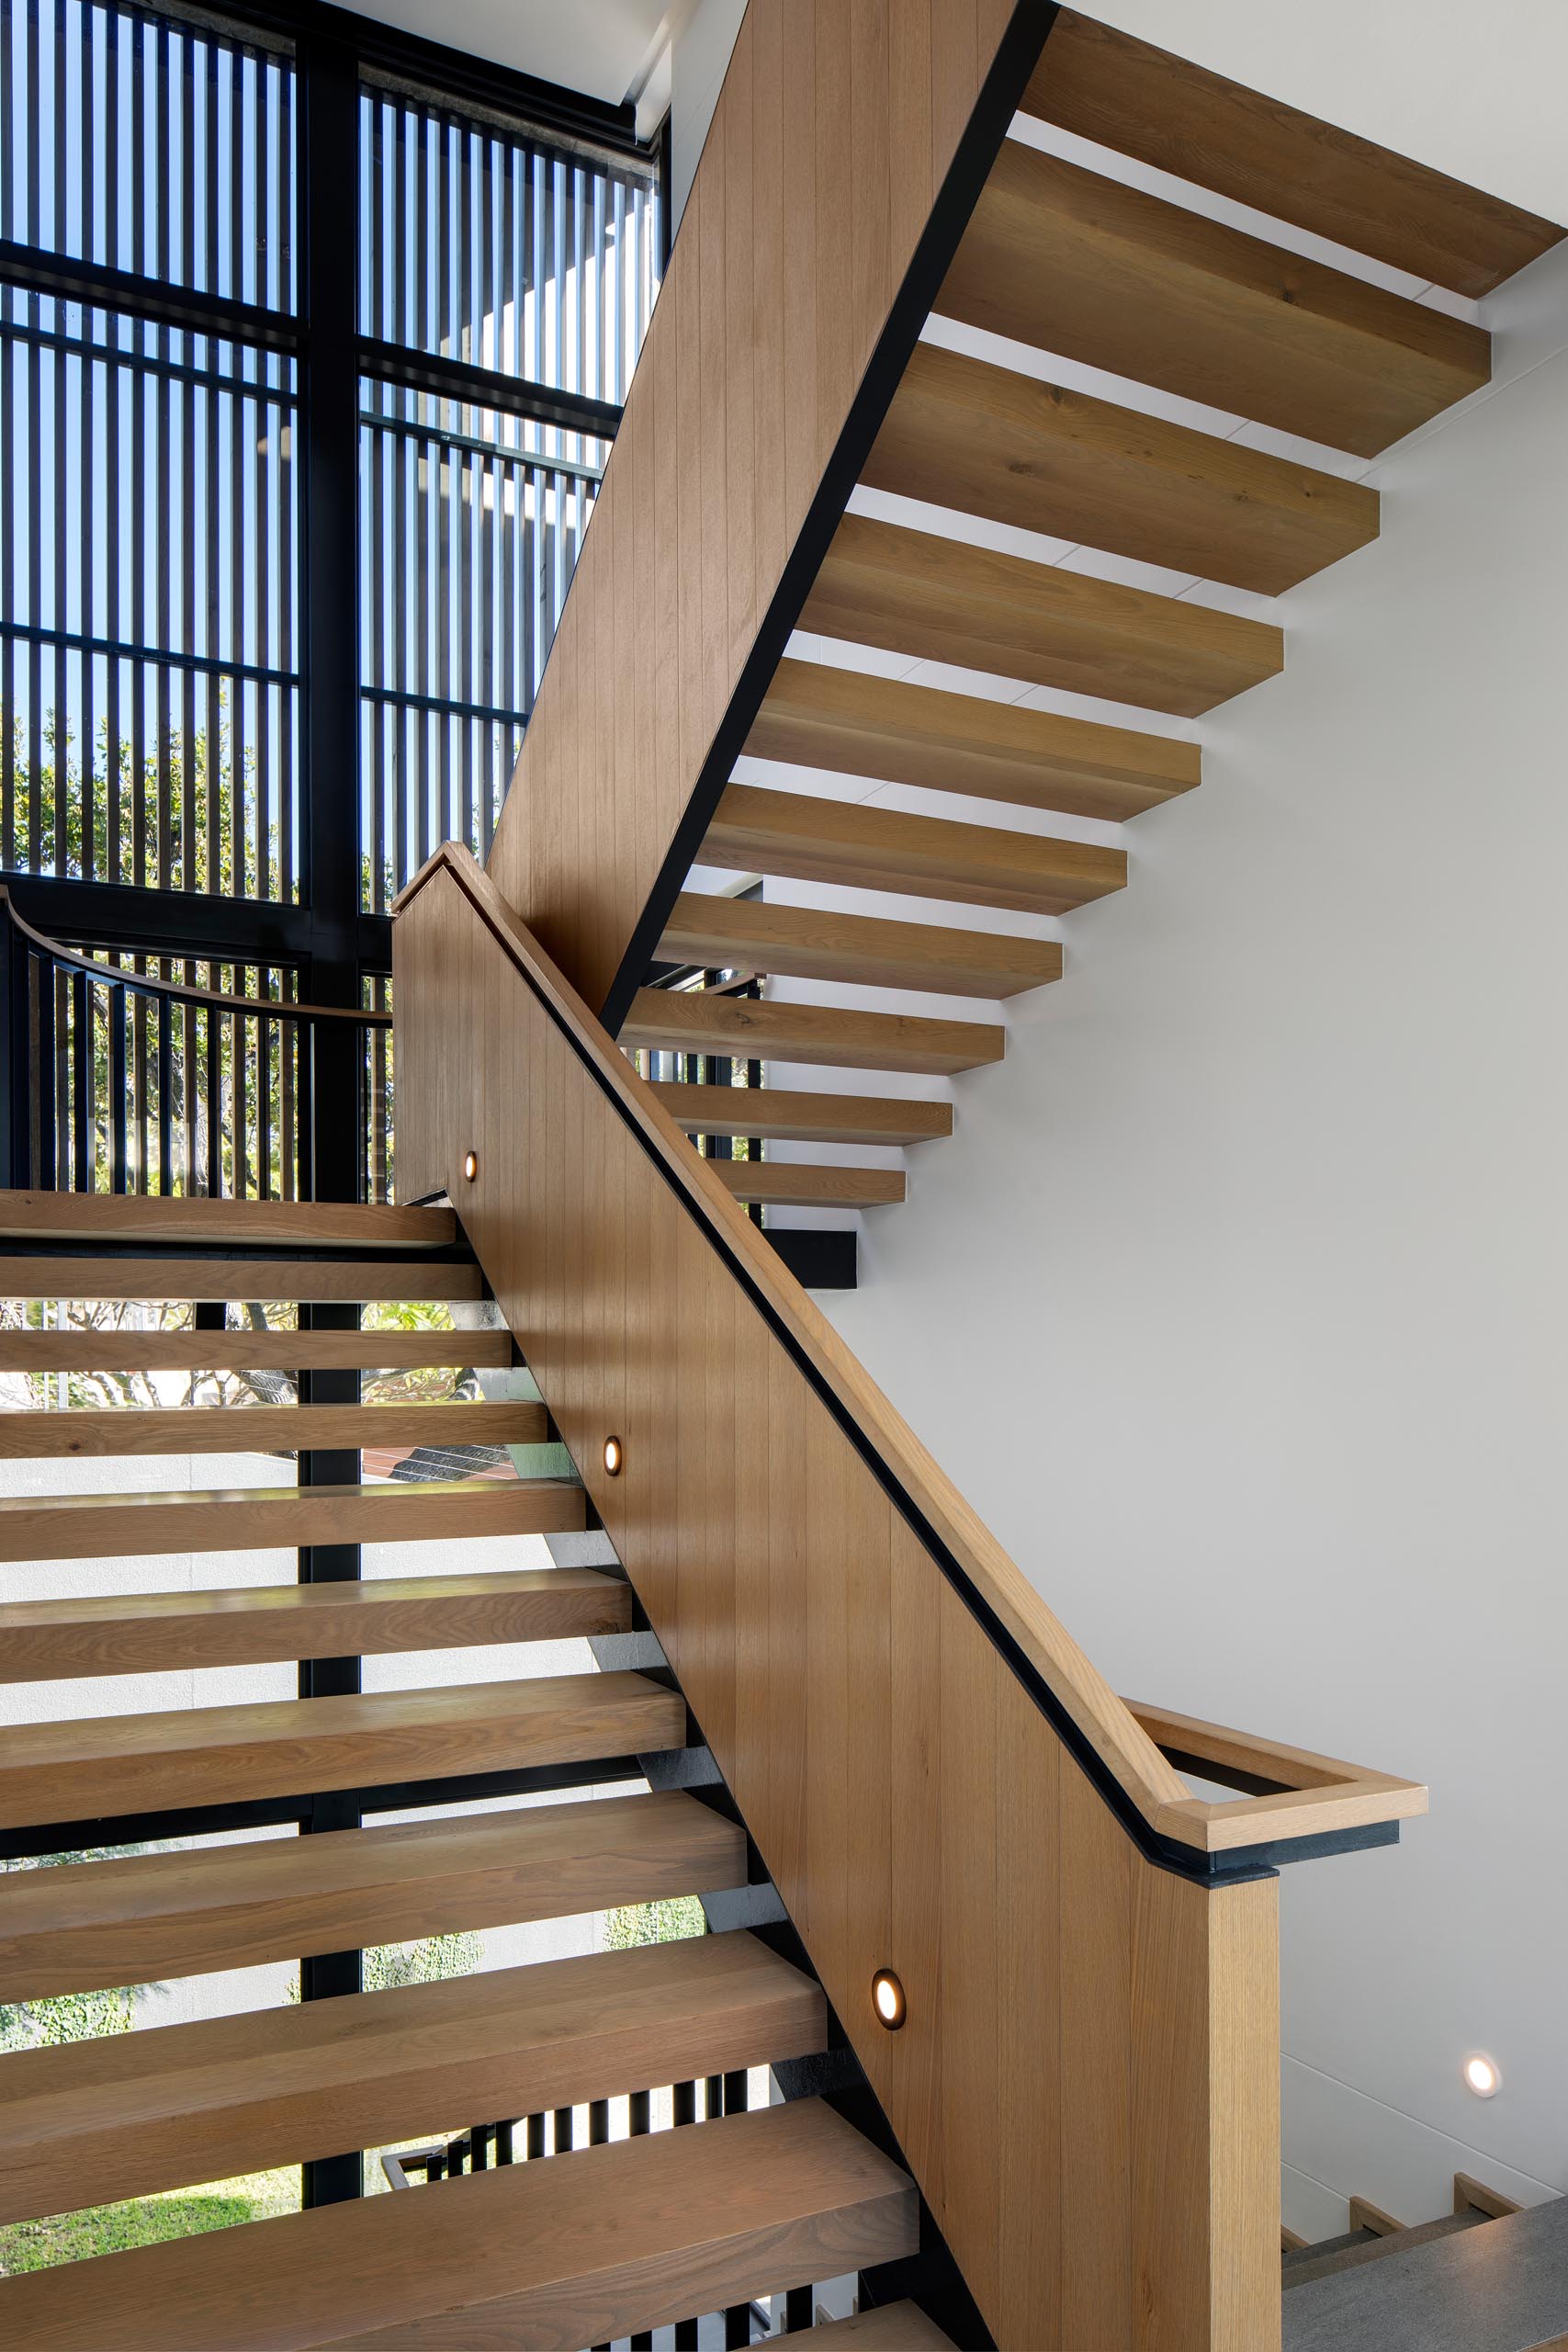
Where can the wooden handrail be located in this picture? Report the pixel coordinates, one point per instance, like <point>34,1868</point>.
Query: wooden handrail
<point>143,984</point>
<point>938,1780</point>
<point>1295,1793</point>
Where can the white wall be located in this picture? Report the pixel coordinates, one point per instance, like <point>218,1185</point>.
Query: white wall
<point>1236,1302</point>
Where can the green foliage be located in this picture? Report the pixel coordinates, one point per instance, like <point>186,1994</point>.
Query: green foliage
<point>668,1921</point>
<point>388,1965</point>
<point>109,2229</point>
<point>67,2017</point>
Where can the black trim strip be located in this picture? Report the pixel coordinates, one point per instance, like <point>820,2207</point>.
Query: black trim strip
<point>1017,56</point>
<point>274,1257</point>
<point>470,387</point>
<point>200,926</point>
<point>97,288</point>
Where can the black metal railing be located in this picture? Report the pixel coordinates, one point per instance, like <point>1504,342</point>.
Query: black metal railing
<point>128,1073</point>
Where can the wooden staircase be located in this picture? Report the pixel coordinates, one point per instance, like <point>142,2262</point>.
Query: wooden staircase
<point>641,2228</point>
<point>1172,386</point>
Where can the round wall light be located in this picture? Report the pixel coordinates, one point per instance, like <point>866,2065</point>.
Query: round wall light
<point>887,2000</point>
<point>470,1166</point>
<point>614,1455</point>
<point>1483,2075</point>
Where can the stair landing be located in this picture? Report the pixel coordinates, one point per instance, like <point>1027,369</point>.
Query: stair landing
<point>1500,2289</point>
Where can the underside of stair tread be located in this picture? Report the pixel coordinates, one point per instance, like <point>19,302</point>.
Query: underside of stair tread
<point>795,1116</point>
<point>1075,264</point>
<point>939,599</point>
<point>799,1185</point>
<point>84,1432</point>
<point>854,723</point>
<point>989,441</point>
<point>136,1918</point>
<point>896,2327</point>
<point>862,845</point>
<point>815,943</point>
<point>149,1633</point>
<point>222,1224</point>
<point>78,1770</point>
<point>704,2218</point>
<point>186,1350</point>
<point>1123,93</point>
<point>126,2115</point>
<point>246,1518</point>
<point>258,1278</point>
<point>704,1022</point>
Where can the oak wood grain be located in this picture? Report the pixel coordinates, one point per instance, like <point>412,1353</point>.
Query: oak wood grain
<point>817,715</point>
<point>243,1278</point>
<point>749,2205</point>
<point>76,1769</point>
<point>250,1518</point>
<point>183,1349</point>
<point>799,1184</point>
<point>135,1919</point>
<point>151,1633</point>
<point>125,2115</point>
<point>1100,272</point>
<point>701,1020</point>
<point>90,1433</point>
<point>816,943</point>
<point>942,599</point>
<point>1104,85</point>
<point>989,441</point>
<point>801,1118</point>
<point>239,1225</point>
<point>863,845</point>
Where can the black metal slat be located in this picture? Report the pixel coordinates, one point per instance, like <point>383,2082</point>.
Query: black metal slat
<point>115,1008</point>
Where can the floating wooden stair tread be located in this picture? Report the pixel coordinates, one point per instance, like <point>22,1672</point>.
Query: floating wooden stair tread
<point>136,1918</point>
<point>222,1224</point>
<point>252,1519</point>
<point>896,2327</point>
<point>812,944</point>
<point>1123,93</point>
<point>815,714</point>
<point>702,1022</point>
<point>365,1279</point>
<point>780,1111</point>
<point>91,2123</point>
<point>702,2219</point>
<point>240,1351</point>
<point>103,1765</point>
<point>265,1428</point>
<point>146,1632</point>
<point>1073,263</point>
<point>940,600</point>
<point>864,846</point>
<point>788,1184</point>
<point>989,441</point>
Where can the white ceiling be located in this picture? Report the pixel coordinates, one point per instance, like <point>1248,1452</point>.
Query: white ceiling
<point>604,47</point>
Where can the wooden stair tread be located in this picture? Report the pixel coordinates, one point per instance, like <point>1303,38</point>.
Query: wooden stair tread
<point>799,1117</point>
<point>1123,93</point>
<point>254,1518</point>
<point>896,2327</point>
<point>862,845</point>
<point>242,1278</point>
<point>74,1434</point>
<point>125,2115</point>
<point>150,1632</point>
<point>702,1022</point>
<point>138,1917</point>
<point>223,1224</point>
<point>815,943</point>
<point>1358,2247</point>
<point>704,2217</point>
<point>798,1184</point>
<point>941,600</point>
<point>79,1768</point>
<point>237,1350</point>
<point>853,723</point>
<point>1074,262</point>
<point>989,441</point>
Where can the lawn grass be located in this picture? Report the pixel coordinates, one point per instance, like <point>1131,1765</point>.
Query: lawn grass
<point>174,2213</point>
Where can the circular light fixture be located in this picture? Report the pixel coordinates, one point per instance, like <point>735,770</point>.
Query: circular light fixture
<point>1482,2075</point>
<point>614,1455</point>
<point>470,1166</point>
<point>887,2000</point>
